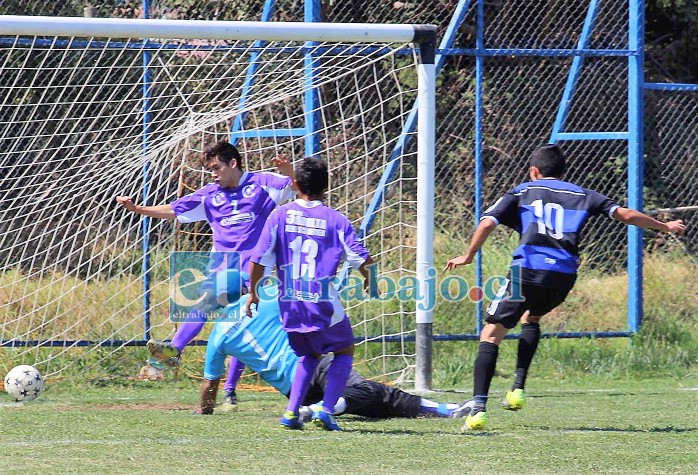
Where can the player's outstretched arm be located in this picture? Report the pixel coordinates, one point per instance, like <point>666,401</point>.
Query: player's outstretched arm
<point>481,234</point>
<point>636,218</point>
<point>158,211</point>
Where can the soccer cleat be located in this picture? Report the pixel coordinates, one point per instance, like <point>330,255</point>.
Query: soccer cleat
<point>325,420</point>
<point>230,402</point>
<point>464,409</point>
<point>305,413</point>
<point>201,412</point>
<point>290,421</point>
<point>173,362</point>
<point>163,350</point>
<point>477,421</point>
<point>514,400</point>
<point>231,397</point>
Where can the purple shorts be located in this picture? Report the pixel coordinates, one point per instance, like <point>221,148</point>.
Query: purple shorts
<point>334,338</point>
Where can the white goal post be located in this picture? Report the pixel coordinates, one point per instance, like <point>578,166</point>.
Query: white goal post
<point>91,108</point>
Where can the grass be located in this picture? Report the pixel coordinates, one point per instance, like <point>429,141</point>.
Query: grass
<point>595,405</point>
<point>573,425</point>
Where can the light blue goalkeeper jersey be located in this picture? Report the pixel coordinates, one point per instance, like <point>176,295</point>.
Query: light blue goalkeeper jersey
<point>259,342</point>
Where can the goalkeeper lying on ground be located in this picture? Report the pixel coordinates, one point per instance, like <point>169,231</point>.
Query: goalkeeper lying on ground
<point>262,345</point>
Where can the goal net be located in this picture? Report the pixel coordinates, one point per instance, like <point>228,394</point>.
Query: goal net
<point>90,110</point>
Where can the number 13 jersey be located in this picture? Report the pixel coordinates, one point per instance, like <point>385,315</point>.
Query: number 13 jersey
<point>307,241</point>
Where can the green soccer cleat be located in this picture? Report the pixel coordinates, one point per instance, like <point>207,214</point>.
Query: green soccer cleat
<point>477,421</point>
<point>514,400</point>
<point>164,351</point>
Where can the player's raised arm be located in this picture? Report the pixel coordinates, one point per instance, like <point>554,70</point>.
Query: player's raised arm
<point>636,218</point>
<point>283,165</point>
<point>481,234</point>
<point>157,211</point>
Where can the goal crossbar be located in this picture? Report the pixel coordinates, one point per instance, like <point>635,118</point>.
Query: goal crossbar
<point>218,30</point>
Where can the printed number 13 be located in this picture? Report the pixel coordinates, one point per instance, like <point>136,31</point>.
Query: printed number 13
<point>309,249</point>
<point>550,218</point>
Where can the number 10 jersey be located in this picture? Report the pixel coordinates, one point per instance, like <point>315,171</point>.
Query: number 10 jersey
<point>549,215</point>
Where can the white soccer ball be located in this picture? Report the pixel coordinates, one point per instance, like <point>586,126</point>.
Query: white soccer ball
<point>24,383</point>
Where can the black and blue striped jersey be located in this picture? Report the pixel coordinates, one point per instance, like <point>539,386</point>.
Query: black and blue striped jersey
<point>549,215</point>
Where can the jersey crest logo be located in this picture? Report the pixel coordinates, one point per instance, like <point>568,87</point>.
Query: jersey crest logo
<point>248,191</point>
<point>218,199</point>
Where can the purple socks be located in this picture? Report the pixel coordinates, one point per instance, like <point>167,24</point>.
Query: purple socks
<point>186,332</point>
<point>235,369</point>
<point>337,375</point>
<point>305,368</point>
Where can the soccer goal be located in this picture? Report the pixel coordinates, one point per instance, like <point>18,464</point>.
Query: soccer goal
<point>93,108</point>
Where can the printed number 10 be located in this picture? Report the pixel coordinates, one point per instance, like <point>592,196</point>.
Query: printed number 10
<point>550,218</point>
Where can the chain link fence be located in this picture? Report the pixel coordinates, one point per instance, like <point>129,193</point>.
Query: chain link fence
<point>522,91</point>
<point>671,166</point>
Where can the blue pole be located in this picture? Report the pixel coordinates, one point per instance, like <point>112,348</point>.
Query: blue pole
<point>410,123</point>
<point>145,224</point>
<point>313,13</point>
<point>636,81</point>
<point>451,30</point>
<point>250,77</point>
<point>577,63</point>
<point>479,74</point>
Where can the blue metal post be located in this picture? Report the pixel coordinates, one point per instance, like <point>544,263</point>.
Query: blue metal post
<point>577,63</point>
<point>410,123</point>
<point>313,13</point>
<point>479,76</point>
<point>145,224</point>
<point>636,81</point>
<point>250,77</point>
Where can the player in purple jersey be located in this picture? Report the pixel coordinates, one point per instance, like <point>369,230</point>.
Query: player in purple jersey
<point>549,215</point>
<point>307,240</point>
<point>236,206</point>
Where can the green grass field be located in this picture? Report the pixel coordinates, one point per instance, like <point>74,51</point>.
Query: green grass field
<point>580,425</point>
<point>602,406</point>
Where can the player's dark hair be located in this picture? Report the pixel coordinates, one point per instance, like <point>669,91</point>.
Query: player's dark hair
<point>224,151</point>
<point>549,160</point>
<point>312,176</point>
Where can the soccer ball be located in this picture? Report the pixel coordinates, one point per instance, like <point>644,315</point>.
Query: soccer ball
<point>24,383</point>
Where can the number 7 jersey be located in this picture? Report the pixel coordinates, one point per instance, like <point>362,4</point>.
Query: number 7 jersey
<point>549,215</point>
<point>307,241</point>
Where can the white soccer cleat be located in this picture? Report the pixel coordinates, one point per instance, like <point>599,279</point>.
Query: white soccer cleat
<point>464,409</point>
